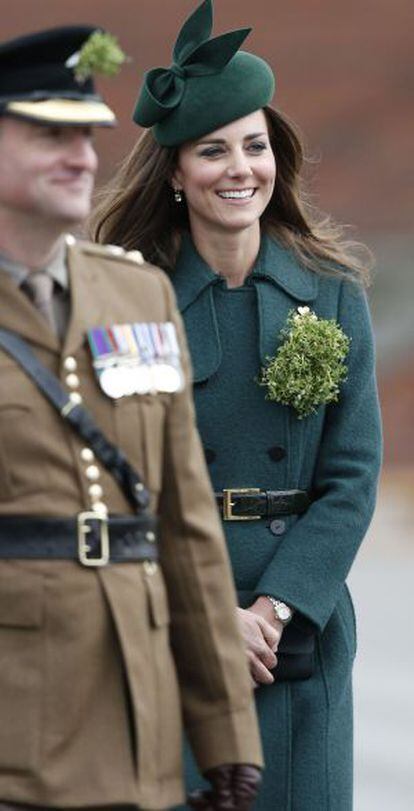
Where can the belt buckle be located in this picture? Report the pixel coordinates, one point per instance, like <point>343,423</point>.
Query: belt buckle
<point>228,504</point>
<point>84,548</point>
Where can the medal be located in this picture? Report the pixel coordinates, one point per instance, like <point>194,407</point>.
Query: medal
<point>140,358</point>
<point>111,382</point>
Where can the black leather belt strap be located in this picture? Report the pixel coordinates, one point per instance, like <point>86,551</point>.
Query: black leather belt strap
<point>249,503</point>
<point>129,538</point>
<point>79,418</point>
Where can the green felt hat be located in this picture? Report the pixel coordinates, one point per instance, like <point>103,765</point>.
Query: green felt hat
<point>209,84</point>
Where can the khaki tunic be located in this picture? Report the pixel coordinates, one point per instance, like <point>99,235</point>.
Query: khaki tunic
<point>97,666</point>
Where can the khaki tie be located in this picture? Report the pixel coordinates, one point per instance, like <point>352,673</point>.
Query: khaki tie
<point>39,286</point>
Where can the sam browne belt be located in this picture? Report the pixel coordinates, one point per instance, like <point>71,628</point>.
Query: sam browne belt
<point>251,503</point>
<point>90,539</point>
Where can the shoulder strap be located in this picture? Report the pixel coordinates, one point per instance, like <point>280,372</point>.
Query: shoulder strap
<point>79,418</point>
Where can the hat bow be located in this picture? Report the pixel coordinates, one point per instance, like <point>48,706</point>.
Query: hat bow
<point>195,54</point>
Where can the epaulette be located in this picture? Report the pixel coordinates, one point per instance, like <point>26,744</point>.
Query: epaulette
<point>107,251</point>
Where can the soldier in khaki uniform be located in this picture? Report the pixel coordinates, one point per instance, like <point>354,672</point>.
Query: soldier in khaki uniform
<point>99,657</point>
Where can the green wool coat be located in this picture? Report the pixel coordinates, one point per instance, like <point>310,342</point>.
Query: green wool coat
<point>335,454</point>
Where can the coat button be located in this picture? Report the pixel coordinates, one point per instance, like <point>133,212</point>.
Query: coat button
<point>92,472</point>
<point>150,567</point>
<point>75,397</point>
<point>100,508</point>
<point>277,526</point>
<point>95,491</point>
<point>87,455</point>
<point>277,453</point>
<point>70,364</point>
<point>72,381</point>
<point>210,455</point>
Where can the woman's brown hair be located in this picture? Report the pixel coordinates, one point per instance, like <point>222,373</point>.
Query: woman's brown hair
<point>137,209</point>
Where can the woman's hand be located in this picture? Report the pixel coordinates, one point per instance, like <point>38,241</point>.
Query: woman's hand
<point>261,641</point>
<point>263,608</point>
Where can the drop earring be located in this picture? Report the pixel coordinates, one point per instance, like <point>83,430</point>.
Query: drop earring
<point>178,197</point>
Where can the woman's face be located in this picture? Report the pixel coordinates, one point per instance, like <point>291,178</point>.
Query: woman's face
<point>228,176</point>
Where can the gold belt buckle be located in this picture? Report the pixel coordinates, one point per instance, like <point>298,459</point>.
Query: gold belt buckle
<point>84,548</point>
<point>228,504</point>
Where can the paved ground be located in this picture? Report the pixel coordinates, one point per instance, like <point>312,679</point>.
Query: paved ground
<point>382,583</point>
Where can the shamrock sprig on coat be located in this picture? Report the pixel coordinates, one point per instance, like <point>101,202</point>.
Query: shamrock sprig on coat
<point>309,365</point>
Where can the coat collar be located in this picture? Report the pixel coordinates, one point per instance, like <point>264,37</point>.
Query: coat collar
<point>191,275</point>
<point>274,264</point>
<point>281,283</point>
<point>281,267</point>
<point>87,305</point>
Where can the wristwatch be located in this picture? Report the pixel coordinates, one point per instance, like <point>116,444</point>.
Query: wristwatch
<point>283,612</point>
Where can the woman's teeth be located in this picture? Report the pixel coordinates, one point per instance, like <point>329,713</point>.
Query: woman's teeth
<point>236,195</point>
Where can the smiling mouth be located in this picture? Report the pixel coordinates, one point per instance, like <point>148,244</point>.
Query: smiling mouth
<point>236,194</point>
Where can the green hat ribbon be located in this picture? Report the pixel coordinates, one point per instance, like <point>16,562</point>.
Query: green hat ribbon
<point>194,55</point>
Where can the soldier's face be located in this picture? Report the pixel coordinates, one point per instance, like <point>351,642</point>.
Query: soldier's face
<point>46,172</point>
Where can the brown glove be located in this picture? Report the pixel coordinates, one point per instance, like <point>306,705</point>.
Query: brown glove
<point>233,788</point>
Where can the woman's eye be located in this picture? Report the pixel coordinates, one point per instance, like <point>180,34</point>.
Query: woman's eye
<point>211,152</point>
<point>257,146</point>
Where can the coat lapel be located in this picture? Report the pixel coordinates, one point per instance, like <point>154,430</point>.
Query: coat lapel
<point>193,282</point>
<point>281,283</point>
<point>87,305</point>
<point>18,314</point>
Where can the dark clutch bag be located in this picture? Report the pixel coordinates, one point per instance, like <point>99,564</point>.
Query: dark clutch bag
<point>296,653</point>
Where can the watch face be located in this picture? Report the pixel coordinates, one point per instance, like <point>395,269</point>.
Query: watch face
<point>284,612</point>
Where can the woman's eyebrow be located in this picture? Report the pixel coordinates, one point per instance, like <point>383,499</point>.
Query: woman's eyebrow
<point>223,140</point>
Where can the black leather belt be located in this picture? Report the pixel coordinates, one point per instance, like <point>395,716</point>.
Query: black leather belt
<point>90,538</point>
<point>251,503</point>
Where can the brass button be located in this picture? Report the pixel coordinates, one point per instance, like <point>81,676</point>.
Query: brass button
<point>150,567</point>
<point>136,256</point>
<point>139,487</point>
<point>72,381</point>
<point>92,472</point>
<point>70,364</point>
<point>75,397</point>
<point>95,491</point>
<point>87,455</point>
<point>100,508</point>
<point>150,536</point>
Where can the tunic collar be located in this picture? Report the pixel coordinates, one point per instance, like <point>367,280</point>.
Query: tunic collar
<point>274,264</point>
<point>57,267</point>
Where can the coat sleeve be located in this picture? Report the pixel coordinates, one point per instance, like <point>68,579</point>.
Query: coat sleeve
<point>310,566</point>
<point>212,668</point>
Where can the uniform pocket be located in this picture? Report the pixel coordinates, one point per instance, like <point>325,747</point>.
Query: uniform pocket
<point>140,432</point>
<point>22,443</point>
<point>21,646</point>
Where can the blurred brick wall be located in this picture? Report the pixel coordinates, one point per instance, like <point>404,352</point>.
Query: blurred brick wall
<point>345,74</point>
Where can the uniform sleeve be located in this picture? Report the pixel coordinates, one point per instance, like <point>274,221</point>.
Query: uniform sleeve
<point>312,563</point>
<point>211,663</point>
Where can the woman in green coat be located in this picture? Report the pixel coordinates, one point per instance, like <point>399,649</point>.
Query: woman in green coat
<point>284,383</point>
